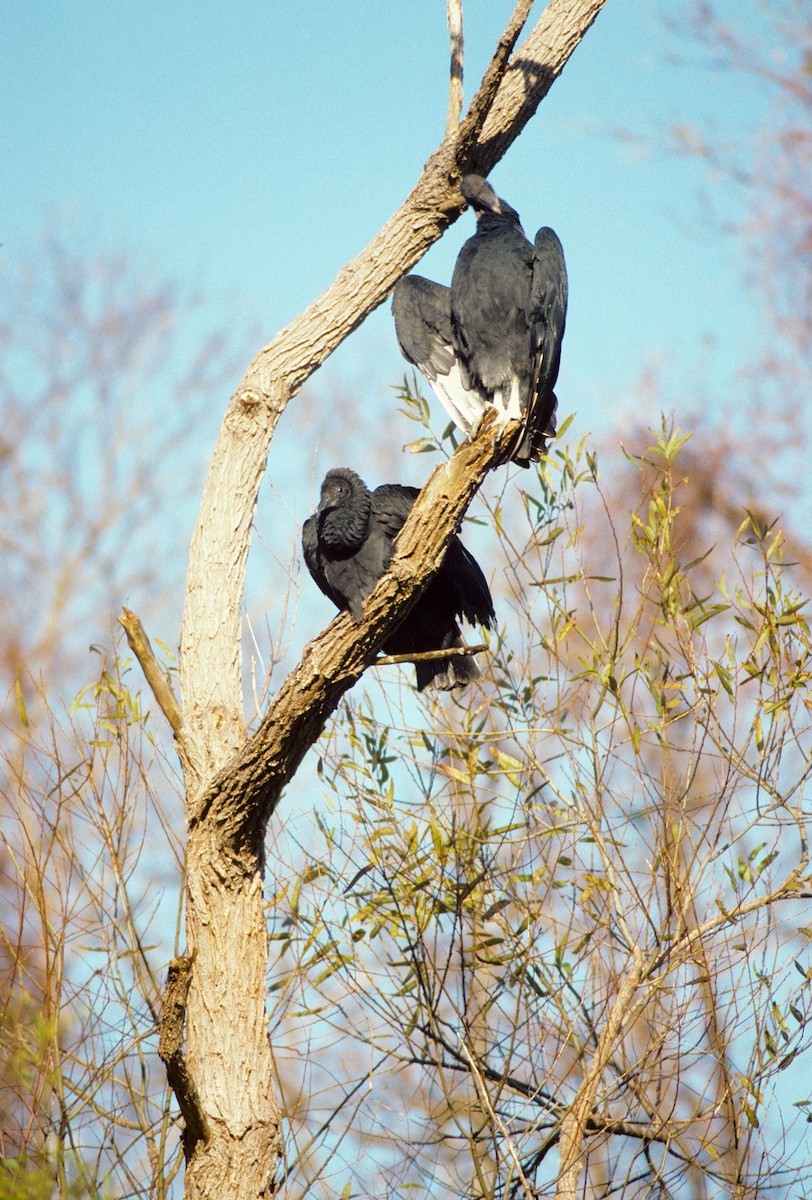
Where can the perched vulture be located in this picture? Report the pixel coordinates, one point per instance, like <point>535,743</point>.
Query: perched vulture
<point>347,545</point>
<point>493,337</point>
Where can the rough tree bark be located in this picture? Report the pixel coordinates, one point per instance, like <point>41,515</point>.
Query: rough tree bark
<point>224,1080</point>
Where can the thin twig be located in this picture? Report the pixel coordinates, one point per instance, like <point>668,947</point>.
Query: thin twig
<point>454,14</point>
<point>429,655</point>
<point>485,1100</point>
<point>154,674</point>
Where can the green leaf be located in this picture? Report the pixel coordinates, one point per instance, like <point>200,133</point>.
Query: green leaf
<point>18,691</point>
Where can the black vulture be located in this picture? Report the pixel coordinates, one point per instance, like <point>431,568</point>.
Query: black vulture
<point>493,337</point>
<point>347,545</point>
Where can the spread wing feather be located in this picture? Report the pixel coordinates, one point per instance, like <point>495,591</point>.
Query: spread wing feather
<point>422,312</point>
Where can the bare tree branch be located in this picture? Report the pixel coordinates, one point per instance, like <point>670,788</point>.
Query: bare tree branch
<point>210,639</point>
<point>483,101</point>
<point>575,1122</point>
<point>387,660</point>
<point>454,14</point>
<point>485,1100</point>
<point>155,676</point>
<point>170,1050</point>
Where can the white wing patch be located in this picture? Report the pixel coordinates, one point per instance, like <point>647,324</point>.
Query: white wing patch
<point>462,405</point>
<point>508,403</point>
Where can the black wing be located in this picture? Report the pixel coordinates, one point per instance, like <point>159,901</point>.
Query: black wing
<point>422,312</point>
<point>463,587</point>
<point>314,560</point>
<point>391,505</point>
<point>458,589</point>
<point>462,578</point>
<point>547,319</point>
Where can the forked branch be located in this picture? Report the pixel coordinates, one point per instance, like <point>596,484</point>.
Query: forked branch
<point>510,92</point>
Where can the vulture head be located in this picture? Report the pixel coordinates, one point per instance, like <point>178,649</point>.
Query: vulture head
<point>343,511</point>
<point>484,200</point>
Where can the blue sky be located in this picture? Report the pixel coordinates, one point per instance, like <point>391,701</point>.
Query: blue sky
<point>258,146</point>
<point>255,147</point>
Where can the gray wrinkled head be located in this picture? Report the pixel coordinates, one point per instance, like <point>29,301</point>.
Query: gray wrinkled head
<point>344,507</point>
<point>484,200</point>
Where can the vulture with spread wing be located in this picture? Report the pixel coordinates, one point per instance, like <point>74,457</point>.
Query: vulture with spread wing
<point>494,337</point>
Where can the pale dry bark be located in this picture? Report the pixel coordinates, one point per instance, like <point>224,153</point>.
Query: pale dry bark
<point>233,783</point>
<point>454,17</point>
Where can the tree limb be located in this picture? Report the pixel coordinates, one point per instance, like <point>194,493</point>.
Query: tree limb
<point>387,660</point>
<point>154,674</point>
<point>170,1051</point>
<point>245,791</point>
<point>485,1100</point>
<point>210,637</point>
<point>575,1123</point>
<point>483,101</point>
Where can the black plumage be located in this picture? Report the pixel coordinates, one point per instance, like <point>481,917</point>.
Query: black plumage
<point>422,312</point>
<point>494,337</point>
<point>347,545</point>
